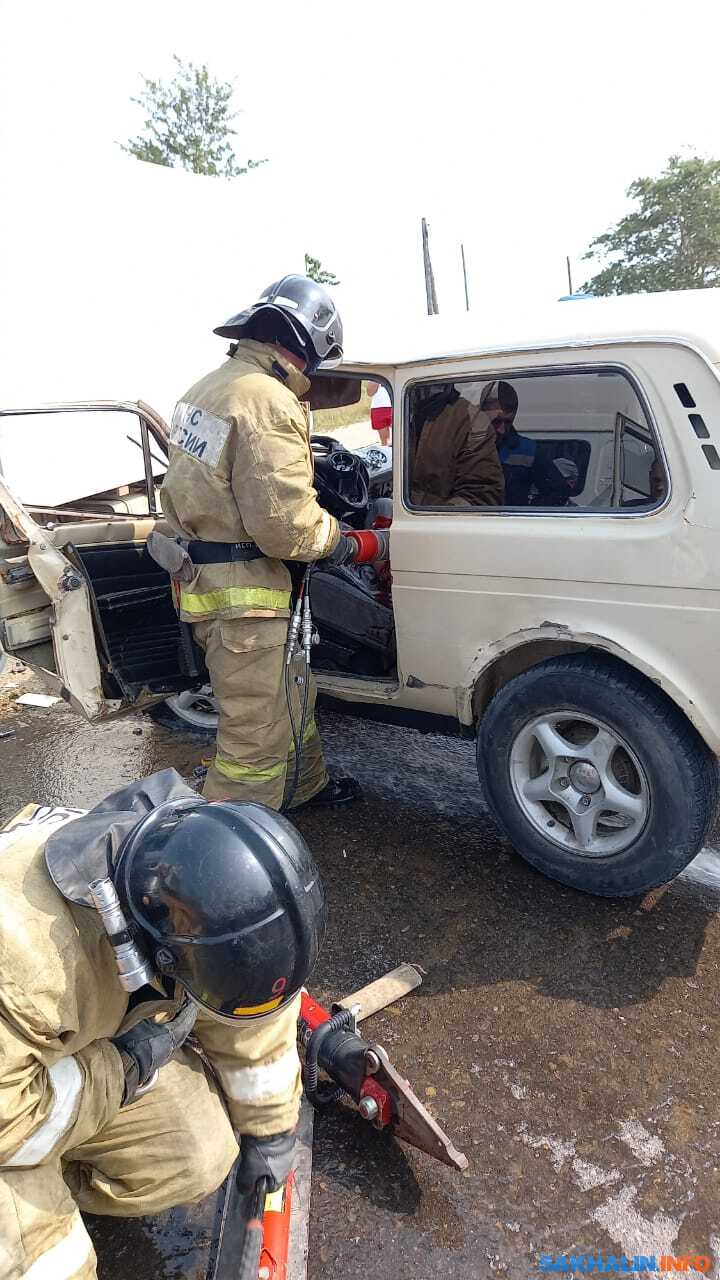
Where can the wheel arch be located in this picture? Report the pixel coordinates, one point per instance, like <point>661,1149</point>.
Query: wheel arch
<point>518,652</point>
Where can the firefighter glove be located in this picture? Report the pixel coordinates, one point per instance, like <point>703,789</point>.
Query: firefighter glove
<point>344,553</point>
<point>269,1158</point>
<point>150,1045</point>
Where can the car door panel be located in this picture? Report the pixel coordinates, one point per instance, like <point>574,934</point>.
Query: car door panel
<point>82,602</point>
<point>55,604</point>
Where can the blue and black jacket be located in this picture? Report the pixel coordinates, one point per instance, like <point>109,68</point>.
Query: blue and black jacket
<point>525,468</point>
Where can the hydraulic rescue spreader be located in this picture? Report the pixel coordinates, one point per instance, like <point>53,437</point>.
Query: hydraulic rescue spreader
<point>364,1072</point>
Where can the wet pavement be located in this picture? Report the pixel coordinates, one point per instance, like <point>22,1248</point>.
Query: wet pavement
<point>568,1044</point>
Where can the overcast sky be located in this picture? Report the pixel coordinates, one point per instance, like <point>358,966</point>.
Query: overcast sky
<point>514,127</point>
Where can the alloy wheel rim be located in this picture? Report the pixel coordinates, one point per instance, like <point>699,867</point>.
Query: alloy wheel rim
<point>196,707</point>
<point>579,783</point>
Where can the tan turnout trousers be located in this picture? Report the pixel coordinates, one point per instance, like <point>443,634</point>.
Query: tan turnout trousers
<point>150,1156</point>
<point>255,755</point>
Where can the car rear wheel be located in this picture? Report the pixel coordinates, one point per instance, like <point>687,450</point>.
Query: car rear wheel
<point>598,779</point>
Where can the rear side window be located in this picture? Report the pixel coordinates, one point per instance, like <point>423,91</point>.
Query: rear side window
<point>532,442</point>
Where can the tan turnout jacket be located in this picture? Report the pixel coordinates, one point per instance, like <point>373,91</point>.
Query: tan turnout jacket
<point>241,470</point>
<point>61,1080</point>
<point>455,463</point>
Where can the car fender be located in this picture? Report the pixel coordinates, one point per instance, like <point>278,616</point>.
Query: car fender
<point>498,662</point>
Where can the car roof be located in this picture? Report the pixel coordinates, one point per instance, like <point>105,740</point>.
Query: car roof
<point>691,316</point>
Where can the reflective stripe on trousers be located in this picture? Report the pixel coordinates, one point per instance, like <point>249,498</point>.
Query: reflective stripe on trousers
<point>233,598</point>
<point>261,1083</point>
<point>66,1079</point>
<point>64,1259</point>
<point>254,751</point>
<point>172,1146</point>
<point>247,773</point>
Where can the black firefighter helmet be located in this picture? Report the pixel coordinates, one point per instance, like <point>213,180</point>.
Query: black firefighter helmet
<point>299,314</point>
<point>228,900</point>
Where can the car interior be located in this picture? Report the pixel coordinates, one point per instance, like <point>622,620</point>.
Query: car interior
<point>582,437</point>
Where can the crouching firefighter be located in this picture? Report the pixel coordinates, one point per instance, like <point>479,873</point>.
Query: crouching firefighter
<point>239,496</point>
<point>152,955</point>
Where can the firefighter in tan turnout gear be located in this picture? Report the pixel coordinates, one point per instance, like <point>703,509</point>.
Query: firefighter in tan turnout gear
<point>152,954</point>
<point>239,493</point>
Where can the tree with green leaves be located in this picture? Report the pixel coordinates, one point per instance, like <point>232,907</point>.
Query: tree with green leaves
<point>671,240</point>
<point>189,124</point>
<point>315,270</point>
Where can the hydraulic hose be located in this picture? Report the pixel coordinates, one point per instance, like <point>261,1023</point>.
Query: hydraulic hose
<point>317,1095</point>
<point>298,734</point>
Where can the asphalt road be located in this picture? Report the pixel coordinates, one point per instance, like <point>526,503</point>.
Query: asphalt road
<point>569,1045</point>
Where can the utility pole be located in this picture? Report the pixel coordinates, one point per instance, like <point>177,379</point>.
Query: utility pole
<point>432,302</point>
<point>462,255</point>
<point>569,271</point>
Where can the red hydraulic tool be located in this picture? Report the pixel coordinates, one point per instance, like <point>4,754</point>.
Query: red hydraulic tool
<point>276,1233</point>
<point>253,1240</point>
<point>365,1073</point>
<point>265,1248</point>
<point>373,545</point>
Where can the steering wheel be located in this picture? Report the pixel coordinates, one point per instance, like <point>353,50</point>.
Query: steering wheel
<point>341,477</point>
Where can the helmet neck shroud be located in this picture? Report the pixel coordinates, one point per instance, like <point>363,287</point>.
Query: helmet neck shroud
<point>273,326</point>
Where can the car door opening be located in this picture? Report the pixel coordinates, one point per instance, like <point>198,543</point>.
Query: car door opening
<point>135,620</point>
<point>352,604</point>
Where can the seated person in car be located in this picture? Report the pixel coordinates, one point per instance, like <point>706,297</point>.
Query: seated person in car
<point>453,456</point>
<point>523,466</point>
<point>658,483</point>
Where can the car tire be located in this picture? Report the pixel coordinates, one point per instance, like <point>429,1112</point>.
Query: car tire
<point>608,820</point>
<point>192,711</point>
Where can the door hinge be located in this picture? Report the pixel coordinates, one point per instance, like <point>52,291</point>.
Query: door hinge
<point>70,580</point>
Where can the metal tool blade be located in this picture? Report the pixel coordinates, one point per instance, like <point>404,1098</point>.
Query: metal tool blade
<point>384,991</point>
<point>411,1121</point>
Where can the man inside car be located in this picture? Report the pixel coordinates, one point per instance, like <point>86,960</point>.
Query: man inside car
<point>523,465</point>
<point>453,455</point>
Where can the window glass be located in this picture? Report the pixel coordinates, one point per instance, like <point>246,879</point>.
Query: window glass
<point>85,460</point>
<point>360,422</point>
<point>575,440</point>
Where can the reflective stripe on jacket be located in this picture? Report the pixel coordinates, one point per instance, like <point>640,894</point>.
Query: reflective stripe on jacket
<point>241,470</point>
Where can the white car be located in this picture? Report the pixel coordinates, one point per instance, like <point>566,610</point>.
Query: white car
<point>578,643</point>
